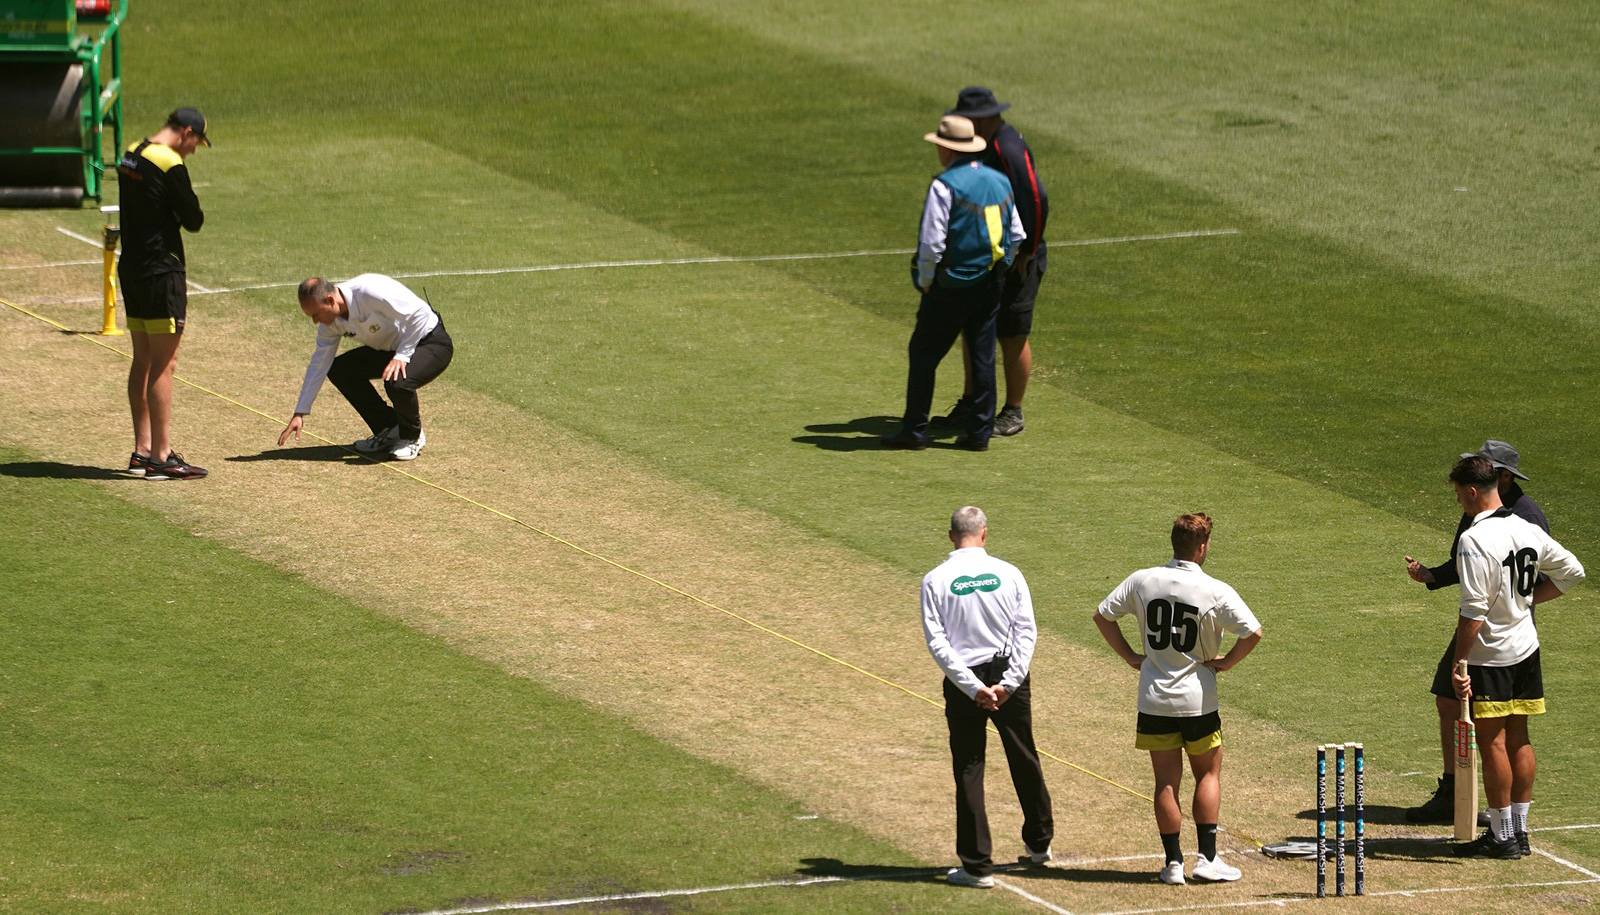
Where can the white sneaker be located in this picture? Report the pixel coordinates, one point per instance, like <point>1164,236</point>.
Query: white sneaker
<point>1039,858</point>
<point>406,449</point>
<point>958,876</point>
<point>1215,870</point>
<point>1173,873</point>
<point>381,441</point>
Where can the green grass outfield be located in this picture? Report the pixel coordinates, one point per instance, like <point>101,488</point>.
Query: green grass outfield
<point>188,730</point>
<point>1413,189</point>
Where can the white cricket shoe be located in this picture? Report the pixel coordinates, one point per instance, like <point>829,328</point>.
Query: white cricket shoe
<point>958,876</point>
<point>1215,870</point>
<point>406,449</point>
<point>380,441</point>
<point>1039,858</point>
<point>1172,873</point>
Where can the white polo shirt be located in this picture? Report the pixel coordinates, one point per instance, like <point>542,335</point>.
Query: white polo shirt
<point>384,315</point>
<point>1499,557</point>
<point>1182,613</point>
<point>974,607</point>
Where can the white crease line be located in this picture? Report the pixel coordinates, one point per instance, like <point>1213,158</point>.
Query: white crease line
<point>1005,885</point>
<point>1582,870</point>
<point>666,262</point>
<point>1312,898</point>
<point>199,288</point>
<point>662,894</point>
<point>1558,828</point>
<point>96,243</point>
<point>43,266</point>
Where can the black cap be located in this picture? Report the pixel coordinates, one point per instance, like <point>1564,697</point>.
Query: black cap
<point>192,119</point>
<point>1501,455</point>
<point>977,102</point>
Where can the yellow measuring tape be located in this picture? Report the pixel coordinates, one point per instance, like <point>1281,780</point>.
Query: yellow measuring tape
<point>608,561</point>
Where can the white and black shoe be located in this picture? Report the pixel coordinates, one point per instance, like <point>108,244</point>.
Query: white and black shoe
<point>960,876</point>
<point>407,449</point>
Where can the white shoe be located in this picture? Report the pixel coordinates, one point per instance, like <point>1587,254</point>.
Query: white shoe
<point>1039,858</point>
<point>1173,873</point>
<point>380,441</point>
<point>1215,870</point>
<point>958,876</point>
<point>406,449</point>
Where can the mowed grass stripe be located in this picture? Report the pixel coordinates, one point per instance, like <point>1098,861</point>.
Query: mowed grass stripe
<point>1318,358</point>
<point>193,730</point>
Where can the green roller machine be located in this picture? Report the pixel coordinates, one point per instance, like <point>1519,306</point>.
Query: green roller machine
<point>60,86</point>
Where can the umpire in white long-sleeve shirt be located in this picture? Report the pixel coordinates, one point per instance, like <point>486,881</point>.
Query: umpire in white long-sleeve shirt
<point>403,342</point>
<point>977,615</point>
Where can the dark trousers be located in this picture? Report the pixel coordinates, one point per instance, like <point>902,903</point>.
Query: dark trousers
<point>352,373</point>
<point>944,315</point>
<point>968,740</point>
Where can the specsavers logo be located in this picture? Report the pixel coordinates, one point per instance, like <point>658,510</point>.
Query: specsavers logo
<point>967,584</point>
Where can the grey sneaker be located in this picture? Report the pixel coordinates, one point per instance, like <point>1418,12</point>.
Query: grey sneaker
<point>1009,421</point>
<point>959,876</point>
<point>379,441</point>
<point>1038,858</point>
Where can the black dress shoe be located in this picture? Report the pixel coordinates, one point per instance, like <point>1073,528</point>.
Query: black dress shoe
<point>969,442</point>
<point>906,440</point>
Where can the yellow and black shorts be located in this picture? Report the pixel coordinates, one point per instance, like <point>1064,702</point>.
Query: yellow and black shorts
<point>1498,692</point>
<point>1197,734</point>
<point>155,304</point>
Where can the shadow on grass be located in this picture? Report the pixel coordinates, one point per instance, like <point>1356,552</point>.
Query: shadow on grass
<point>55,470</point>
<point>1399,848</point>
<point>833,867</point>
<point>1384,814</point>
<point>1066,872</point>
<point>861,434</point>
<point>330,453</point>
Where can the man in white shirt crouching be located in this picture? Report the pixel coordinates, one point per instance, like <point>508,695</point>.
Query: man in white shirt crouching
<point>403,342</point>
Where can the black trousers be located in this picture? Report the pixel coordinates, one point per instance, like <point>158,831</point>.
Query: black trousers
<point>352,373</point>
<point>968,740</point>
<point>944,315</point>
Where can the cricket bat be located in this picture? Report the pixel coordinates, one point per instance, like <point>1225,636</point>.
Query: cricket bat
<point>1466,770</point>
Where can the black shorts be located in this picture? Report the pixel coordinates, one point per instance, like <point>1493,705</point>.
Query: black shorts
<point>1497,691</point>
<point>1018,290</point>
<point>155,304</point>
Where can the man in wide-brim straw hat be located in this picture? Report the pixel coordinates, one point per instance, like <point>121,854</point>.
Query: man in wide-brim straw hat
<point>970,232</point>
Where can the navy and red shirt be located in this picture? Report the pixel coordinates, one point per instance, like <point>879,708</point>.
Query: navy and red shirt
<point>1008,154</point>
